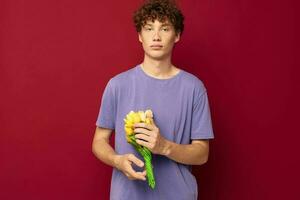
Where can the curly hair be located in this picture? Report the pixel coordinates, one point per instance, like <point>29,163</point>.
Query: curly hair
<point>160,10</point>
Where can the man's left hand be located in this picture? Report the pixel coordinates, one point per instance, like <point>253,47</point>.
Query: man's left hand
<point>148,135</point>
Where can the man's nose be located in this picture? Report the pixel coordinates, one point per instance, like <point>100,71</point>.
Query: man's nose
<point>156,36</point>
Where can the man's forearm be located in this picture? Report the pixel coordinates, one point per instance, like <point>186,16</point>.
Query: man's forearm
<point>104,152</point>
<point>190,154</point>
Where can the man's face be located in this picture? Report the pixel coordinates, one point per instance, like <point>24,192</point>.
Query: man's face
<point>158,39</point>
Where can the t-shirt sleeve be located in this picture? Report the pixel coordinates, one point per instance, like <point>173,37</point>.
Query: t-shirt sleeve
<point>107,112</point>
<point>201,117</point>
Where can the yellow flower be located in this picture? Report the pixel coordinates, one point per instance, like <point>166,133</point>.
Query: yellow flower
<point>140,117</point>
<point>136,117</point>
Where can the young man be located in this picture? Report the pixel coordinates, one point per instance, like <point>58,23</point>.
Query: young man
<point>182,123</point>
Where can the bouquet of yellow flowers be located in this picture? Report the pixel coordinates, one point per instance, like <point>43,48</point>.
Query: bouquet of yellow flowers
<point>140,117</point>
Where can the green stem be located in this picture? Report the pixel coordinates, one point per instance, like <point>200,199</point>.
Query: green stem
<point>149,170</point>
<point>147,155</point>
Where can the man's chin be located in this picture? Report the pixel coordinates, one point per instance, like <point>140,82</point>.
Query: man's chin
<point>157,57</point>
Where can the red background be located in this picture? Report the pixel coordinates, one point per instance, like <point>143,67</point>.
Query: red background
<point>57,56</point>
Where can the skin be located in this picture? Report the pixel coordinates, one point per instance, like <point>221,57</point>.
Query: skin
<point>157,33</point>
<point>156,63</point>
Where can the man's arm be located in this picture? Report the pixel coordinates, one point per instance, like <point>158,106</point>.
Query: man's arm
<point>191,154</point>
<point>149,136</point>
<point>104,152</point>
<point>101,147</point>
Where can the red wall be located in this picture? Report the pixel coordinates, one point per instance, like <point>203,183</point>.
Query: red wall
<point>57,56</point>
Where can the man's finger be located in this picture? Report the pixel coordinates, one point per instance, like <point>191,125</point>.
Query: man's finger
<point>143,137</point>
<point>143,143</point>
<point>135,160</point>
<point>143,125</point>
<point>142,175</point>
<point>142,131</point>
<point>136,175</point>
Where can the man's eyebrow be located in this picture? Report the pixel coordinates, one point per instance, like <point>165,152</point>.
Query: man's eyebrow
<point>165,24</point>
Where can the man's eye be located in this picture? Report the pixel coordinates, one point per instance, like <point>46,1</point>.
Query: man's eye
<point>148,29</point>
<point>165,29</point>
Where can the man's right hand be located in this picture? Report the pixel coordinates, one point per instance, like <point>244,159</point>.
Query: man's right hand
<point>123,163</point>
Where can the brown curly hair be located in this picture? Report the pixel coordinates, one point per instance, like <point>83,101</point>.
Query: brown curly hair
<point>160,10</point>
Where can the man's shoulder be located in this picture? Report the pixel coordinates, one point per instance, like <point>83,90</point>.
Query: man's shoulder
<point>123,76</point>
<point>191,80</point>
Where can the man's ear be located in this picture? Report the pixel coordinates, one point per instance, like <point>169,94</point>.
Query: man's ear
<point>177,37</point>
<point>140,38</point>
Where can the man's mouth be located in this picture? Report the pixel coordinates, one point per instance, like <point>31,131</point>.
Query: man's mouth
<point>156,46</point>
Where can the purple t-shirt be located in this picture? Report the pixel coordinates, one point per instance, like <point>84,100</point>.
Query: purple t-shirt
<point>181,111</point>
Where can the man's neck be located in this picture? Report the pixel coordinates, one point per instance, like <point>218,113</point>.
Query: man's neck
<point>161,69</point>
